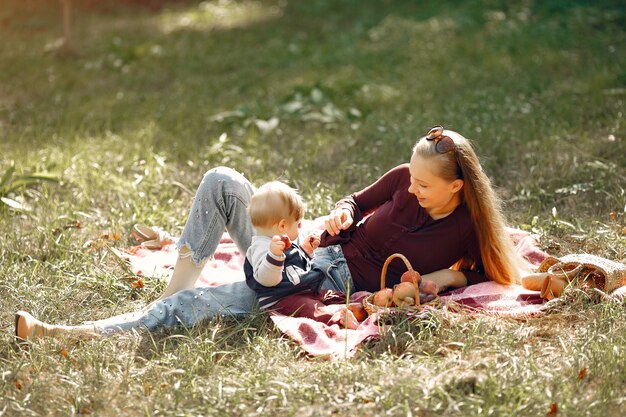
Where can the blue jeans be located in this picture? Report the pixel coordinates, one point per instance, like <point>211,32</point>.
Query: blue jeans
<point>331,260</point>
<point>221,202</point>
<point>184,309</point>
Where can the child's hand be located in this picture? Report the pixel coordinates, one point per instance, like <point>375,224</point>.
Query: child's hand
<point>277,246</point>
<point>310,243</point>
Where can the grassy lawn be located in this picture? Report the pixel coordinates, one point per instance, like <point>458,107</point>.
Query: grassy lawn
<point>326,95</point>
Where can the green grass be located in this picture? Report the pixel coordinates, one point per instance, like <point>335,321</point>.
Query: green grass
<point>155,96</point>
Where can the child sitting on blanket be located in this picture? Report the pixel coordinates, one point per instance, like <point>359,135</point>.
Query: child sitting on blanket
<point>274,266</point>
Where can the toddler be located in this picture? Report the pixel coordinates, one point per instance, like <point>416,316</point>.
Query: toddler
<point>275,265</point>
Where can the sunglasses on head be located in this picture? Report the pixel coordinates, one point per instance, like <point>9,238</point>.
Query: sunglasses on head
<point>443,144</point>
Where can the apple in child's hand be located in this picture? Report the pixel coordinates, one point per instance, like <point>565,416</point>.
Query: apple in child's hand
<point>286,241</point>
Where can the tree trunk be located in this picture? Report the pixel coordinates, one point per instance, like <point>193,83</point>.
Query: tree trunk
<point>66,10</point>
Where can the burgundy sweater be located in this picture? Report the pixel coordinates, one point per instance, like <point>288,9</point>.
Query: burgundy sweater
<point>398,224</point>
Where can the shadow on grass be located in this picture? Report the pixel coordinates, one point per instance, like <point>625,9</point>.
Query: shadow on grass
<point>215,340</point>
<point>296,86</point>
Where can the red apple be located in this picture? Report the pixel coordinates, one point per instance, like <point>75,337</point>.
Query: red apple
<point>407,302</point>
<point>404,294</point>
<point>408,276</point>
<point>382,298</point>
<point>286,240</point>
<point>358,311</point>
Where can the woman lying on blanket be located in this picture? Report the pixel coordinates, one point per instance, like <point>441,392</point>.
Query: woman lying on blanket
<point>440,211</point>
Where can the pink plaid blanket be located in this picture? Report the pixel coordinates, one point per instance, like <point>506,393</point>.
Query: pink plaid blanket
<point>331,341</point>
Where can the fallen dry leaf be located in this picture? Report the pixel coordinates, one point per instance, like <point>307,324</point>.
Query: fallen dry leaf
<point>554,409</point>
<point>76,224</point>
<point>110,235</point>
<point>138,283</point>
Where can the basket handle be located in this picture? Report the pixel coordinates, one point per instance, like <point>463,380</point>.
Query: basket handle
<point>383,274</point>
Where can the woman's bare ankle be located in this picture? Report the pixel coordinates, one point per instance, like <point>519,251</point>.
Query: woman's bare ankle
<point>28,328</point>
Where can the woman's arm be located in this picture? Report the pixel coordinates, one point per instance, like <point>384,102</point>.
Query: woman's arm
<point>350,210</point>
<point>446,278</point>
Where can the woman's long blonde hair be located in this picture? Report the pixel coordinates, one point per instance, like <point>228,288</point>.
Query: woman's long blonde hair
<point>500,261</point>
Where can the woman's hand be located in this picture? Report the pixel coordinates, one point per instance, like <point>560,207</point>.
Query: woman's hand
<point>442,279</point>
<point>310,243</point>
<point>338,220</point>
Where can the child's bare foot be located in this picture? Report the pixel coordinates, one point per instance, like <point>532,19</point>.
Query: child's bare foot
<point>346,318</point>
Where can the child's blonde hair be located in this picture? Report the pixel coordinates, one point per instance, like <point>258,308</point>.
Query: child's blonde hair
<point>273,202</point>
<point>500,260</point>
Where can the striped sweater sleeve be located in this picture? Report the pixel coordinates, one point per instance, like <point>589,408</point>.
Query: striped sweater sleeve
<point>267,267</point>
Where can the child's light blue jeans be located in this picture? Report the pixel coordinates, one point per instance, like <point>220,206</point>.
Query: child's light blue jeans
<point>220,203</point>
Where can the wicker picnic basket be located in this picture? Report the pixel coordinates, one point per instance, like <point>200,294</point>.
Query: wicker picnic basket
<point>371,308</point>
<point>583,270</point>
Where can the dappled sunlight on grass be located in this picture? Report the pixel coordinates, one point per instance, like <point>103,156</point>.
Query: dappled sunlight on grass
<point>426,35</point>
<point>221,14</point>
<point>326,96</point>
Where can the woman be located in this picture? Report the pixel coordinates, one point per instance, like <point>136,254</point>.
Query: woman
<point>440,211</point>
